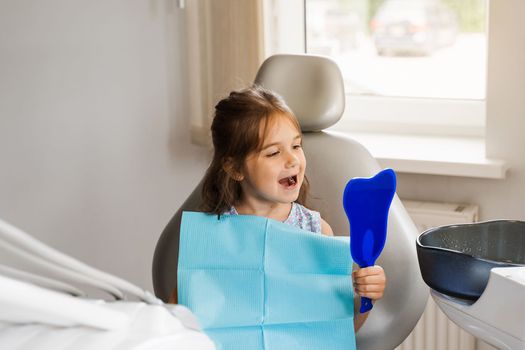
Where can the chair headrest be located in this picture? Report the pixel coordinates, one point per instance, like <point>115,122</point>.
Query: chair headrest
<point>311,85</point>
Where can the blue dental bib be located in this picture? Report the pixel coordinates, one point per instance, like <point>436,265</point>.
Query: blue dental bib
<point>255,283</point>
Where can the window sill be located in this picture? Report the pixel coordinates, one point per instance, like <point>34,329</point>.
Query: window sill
<point>432,155</point>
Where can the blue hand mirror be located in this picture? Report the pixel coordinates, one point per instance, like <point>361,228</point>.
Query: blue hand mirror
<point>366,202</point>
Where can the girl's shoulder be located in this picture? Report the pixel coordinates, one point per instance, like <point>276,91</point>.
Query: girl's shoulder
<point>231,211</point>
<point>299,216</point>
<point>304,218</point>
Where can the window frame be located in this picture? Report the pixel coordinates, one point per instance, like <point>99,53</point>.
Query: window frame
<point>383,114</point>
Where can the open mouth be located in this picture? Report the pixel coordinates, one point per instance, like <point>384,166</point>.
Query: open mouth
<point>288,182</point>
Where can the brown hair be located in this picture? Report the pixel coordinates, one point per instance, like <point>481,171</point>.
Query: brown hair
<point>236,133</point>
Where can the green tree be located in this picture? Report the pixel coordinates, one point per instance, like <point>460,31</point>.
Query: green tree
<point>472,14</point>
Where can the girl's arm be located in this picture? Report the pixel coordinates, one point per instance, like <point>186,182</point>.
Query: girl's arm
<point>369,282</point>
<point>359,318</point>
<point>326,229</point>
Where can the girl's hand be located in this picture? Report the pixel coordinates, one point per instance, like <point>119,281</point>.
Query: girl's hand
<point>370,282</point>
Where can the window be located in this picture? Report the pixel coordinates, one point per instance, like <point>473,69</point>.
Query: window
<point>410,65</point>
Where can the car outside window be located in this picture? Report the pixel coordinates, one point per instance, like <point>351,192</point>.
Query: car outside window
<point>403,48</point>
<point>410,66</point>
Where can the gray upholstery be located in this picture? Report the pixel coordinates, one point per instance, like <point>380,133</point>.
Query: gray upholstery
<point>332,160</point>
<point>312,86</point>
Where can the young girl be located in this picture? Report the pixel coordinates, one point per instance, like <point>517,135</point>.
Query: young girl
<point>258,168</point>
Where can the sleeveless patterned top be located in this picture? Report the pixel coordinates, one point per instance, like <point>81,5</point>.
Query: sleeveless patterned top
<point>299,216</point>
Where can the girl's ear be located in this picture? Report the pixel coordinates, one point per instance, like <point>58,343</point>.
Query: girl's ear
<point>229,168</point>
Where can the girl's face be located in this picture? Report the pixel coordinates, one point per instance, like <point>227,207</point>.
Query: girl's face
<point>276,172</point>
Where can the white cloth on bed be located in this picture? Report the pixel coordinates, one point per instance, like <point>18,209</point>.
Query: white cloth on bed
<point>32,317</point>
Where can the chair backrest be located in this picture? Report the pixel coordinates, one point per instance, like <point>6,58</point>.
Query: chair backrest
<point>313,88</point>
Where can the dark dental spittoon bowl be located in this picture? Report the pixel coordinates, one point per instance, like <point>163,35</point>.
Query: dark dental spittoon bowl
<point>456,260</point>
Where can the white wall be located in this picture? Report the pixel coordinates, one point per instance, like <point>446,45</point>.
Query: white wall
<point>94,138</point>
<point>505,135</point>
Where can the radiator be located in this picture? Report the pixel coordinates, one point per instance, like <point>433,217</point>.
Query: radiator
<point>435,331</point>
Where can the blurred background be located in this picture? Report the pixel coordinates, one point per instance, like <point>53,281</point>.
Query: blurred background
<point>406,48</point>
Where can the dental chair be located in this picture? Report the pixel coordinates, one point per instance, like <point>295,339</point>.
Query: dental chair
<point>312,86</point>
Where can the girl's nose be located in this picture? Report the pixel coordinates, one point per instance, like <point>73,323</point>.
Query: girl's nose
<point>292,160</point>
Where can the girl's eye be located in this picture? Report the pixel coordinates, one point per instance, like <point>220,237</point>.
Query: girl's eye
<point>273,154</point>
<point>297,146</point>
